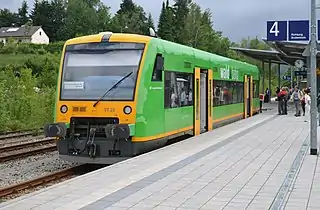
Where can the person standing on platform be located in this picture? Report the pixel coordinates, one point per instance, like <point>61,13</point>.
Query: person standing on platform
<point>261,97</point>
<point>307,100</point>
<point>267,96</point>
<point>296,97</point>
<point>279,99</point>
<point>285,94</point>
<point>303,102</point>
<point>282,102</point>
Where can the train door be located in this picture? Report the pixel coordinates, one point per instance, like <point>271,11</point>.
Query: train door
<point>210,95</point>
<point>251,96</point>
<point>196,101</point>
<point>248,91</point>
<point>203,101</point>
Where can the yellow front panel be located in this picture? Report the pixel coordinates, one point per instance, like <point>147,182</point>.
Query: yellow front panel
<point>129,38</point>
<point>251,96</point>
<point>245,91</point>
<point>197,101</point>
<point>103,109</point>
<point>85,39</point>
<point>210,99</point>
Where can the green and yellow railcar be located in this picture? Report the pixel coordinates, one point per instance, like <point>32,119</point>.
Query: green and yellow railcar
<point>120,95</point>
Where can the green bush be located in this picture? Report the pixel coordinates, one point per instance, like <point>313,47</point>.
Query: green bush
<point>23,68</point>
<point>21,106</point>
<point>29,48</point>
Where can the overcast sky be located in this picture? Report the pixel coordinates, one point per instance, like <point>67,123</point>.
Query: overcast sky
<point>237,19</point>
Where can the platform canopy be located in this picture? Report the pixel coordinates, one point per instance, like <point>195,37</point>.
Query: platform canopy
<point>261,55</point>
<point>282,52</point>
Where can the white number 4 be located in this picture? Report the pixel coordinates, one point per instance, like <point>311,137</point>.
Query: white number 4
<point>274,29</point>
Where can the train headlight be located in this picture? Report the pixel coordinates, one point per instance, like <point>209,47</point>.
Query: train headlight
<point>127,109</point>
<point>63,109</point>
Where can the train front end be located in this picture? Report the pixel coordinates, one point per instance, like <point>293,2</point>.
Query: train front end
<point>95,109</point>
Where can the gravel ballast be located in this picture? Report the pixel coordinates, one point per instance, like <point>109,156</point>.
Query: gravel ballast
<point>17,171</point>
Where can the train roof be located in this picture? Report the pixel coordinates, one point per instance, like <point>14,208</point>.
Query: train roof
<point>215,59</point>
<point>172,46</point>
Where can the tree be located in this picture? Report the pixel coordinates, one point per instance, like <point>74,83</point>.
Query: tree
<point>23,14</point>
<point>131,18</point>
<point>194,30</point>
<point>8,18</point>
<point>41,16</point>
<point>58,16</point>
<point>103,17</point>
<point>165,25</point>
<point>150,23</point>
<point>84,19</point>
<point>181,10</point>
<point>170,22</point>
<point>126,7</point>
<point>162,21</point>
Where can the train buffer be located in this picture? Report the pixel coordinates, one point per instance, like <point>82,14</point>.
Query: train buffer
<point>261,162</point>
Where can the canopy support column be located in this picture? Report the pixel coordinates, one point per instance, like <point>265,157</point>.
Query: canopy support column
<point>270,80</point>
<point>263,77</point>
<point>279,80</point>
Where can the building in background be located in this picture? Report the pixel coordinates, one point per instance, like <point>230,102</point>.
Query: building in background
<point>24,34</point>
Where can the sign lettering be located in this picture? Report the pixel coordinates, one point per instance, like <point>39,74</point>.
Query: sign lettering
<point>277,30</point>
<point>235,74</point>
<point>225,73</point>
<point>299,30</point>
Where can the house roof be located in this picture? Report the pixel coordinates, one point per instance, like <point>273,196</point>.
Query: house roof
<point>18,31</point>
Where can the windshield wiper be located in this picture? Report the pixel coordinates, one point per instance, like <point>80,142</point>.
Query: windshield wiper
<point>114,86</point>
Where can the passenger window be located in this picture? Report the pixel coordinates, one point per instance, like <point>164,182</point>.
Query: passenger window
<point>158,68</point>
<point>178,89</point>
<point>227,92</point>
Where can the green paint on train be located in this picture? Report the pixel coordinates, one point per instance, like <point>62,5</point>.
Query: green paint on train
<point>155,114</point>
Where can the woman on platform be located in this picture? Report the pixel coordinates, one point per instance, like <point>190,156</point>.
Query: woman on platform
<point>307,101</point>
<point>303,103</point>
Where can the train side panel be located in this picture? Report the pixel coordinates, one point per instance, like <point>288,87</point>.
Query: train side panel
<point>155,121</point>
<point>179,62</point>
<point>226,114</point>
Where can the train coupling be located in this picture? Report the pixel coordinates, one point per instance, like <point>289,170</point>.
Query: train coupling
<point>55,130</point>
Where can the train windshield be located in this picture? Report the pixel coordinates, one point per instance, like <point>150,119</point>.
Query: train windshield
<point>91,69</point>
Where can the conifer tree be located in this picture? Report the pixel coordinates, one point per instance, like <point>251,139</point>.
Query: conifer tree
<point>162,22</point>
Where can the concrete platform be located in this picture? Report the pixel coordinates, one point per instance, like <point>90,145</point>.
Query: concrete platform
<point>262,162</point>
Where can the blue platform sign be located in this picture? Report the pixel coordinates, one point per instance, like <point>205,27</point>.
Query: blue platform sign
<point>286,77</point>
<point>277,30</point>
<point>299,30</point>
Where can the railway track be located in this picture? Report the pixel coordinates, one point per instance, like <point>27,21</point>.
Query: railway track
<point>42,181</point>
<point>18,134</point>
<point>21,150</point>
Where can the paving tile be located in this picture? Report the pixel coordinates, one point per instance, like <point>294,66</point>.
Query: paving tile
<point>114,208</point>
<point>160,207</point>
<point>213,205</point>
<point>236,205</point>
